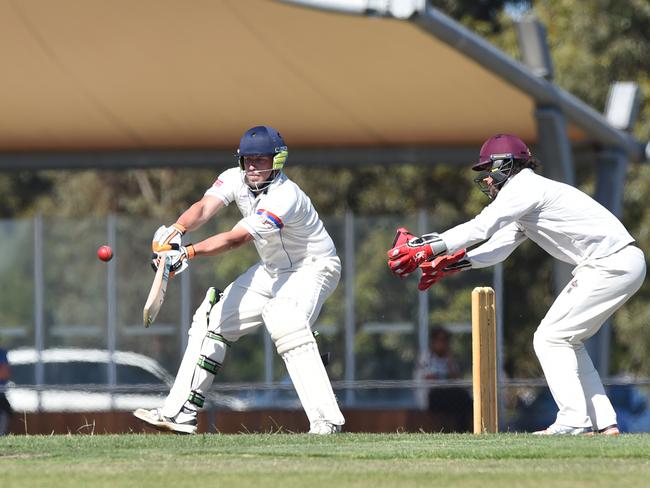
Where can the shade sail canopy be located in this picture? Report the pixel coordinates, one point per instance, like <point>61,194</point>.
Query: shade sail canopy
<point>154,74</point>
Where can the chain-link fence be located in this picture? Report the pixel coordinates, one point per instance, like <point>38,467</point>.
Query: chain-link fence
<point>73,325</point>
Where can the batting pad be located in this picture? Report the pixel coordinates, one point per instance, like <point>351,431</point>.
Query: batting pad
<point>312,384</point>
<point>205,351</point>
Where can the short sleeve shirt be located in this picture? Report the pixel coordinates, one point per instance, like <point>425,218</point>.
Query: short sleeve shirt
<point>282,220</point>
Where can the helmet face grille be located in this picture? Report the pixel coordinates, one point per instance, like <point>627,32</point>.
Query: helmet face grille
<point>499,167</point>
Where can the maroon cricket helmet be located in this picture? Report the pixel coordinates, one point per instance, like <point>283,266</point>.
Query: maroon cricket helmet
<point>501,146</point>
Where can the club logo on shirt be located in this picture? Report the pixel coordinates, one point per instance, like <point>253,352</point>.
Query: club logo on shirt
<point>270,219</point>
<point>217,182</point>
<point>574,285</point>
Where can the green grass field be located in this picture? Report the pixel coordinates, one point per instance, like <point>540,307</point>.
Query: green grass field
<point>301,460</point>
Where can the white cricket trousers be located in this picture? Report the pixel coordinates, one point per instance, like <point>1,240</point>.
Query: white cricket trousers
<point>596,291</point>
<point>239,312</point>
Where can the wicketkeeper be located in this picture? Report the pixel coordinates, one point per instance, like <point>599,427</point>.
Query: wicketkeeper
<point>571,227</point>
<point>284,291</point>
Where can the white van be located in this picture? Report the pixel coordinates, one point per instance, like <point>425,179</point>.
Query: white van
<point>77,380</point>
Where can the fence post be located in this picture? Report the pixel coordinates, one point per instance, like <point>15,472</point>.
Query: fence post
<point>349,275</point>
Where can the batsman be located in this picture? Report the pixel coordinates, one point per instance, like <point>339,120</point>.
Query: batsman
<point>284,291</point>
<point>570,226</point>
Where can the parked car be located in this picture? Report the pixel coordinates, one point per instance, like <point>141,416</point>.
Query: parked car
<point>78,380</point>
<point>628,400</point>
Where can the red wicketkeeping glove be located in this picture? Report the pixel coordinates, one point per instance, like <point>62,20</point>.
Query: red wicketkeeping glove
<point>434,271</point>
<point>402,236</point>
<point>408,251</point>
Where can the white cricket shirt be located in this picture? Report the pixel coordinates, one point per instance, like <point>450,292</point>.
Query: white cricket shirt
<point>281,219</point>
<point>562,220</point>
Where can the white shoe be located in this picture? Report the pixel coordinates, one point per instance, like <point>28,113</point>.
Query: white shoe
<point>181,424</point>
<point>559,429</point>
<point>323,427</point>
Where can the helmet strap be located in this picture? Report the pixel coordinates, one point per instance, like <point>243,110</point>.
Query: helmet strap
<point>258,188</point>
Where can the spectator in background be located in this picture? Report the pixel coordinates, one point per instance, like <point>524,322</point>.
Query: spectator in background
<point>5,408</point>
<point>440,364</point>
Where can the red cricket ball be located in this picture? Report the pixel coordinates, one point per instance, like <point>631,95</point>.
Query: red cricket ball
<point>105,253</point>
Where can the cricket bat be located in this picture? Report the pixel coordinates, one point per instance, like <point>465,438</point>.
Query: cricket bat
<point>157,293</point>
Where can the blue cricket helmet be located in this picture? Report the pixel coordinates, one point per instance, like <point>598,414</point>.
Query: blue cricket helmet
<point>263,140</point>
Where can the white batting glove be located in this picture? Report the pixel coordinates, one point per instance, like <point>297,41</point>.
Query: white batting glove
<point>179,259</point>
<point>167,238</point>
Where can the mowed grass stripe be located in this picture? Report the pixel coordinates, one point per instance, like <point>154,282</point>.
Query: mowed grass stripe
<point>355,460</point>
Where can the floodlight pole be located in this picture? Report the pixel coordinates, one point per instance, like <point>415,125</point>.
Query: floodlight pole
<point>621,110</point>
<point>543,92</point>
<point>463,40</point>
<point>554,146</point>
